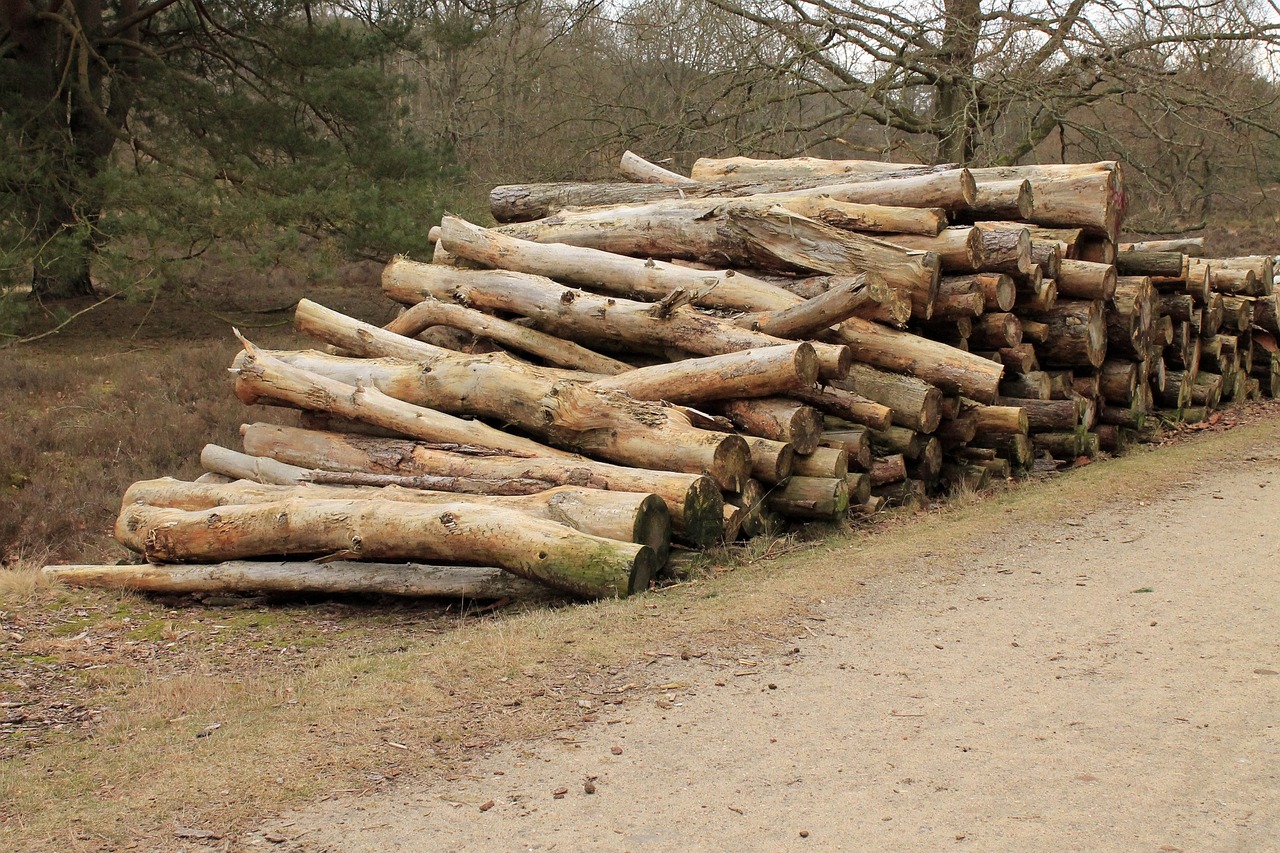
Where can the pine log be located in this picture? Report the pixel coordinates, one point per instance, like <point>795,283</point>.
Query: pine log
<point>1048,255</point>
<point>873,218</point>
<point>1266,315</point>
<point>1193,246</point>
<point>1166,264</point>
<point>1034,385</point>
<point>816,498</point>
<point>413,580</point>
<point>695,503</point>
<point>904,493</point>
<point>1018,449</point>
<point>777,419</point>
<point>927,466</point>
<point>1043,297</point>
<point>950,369</point>
<point>1019,359</point>
<point>896,439</point>
<point>1237,312</point>
<point>1049,415</point>
<point>1006,250</point>
<point>1118,381</point>
<point>1177,306</point>
<point>1008,418</point>
<point>611,273</point>
<point>1060,445</point>
<point>1077,334</point>
<point>996,331</point>
<point>533,548</point>
<point>624,516</point>
<point>997,289</point>
<point>757,519</point>
<point>1085,280</point>
<point>966,476</point>
<point>859,486</point>
<point>1095,249</point>
<point>958,431</point>
<point>1034,331</point>
<point>888,469</point>
<point>1177,393</point>
<point>892,308</point>
<point>1206,389</point>
<point>912,402</point>
<point>843,300</point>
<point>958,297</point>
<point>576,314</point>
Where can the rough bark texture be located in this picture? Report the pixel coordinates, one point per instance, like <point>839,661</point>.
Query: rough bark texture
<point>952,370</point>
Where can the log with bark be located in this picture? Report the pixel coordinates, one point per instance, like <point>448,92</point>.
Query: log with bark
<point>1077,334</point>
<point>817,498</point>
<point>913,403</point>
<point>959,250</point>
<point>1089,195</point>
<point>738,168</point>
<point>589,317</point>
<point>775,418</point>
<point>1084,280</point>
<point>695,502</point>
<point>624,516</point>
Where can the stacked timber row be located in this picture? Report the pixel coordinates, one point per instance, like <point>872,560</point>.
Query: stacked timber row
<point>618,367</point>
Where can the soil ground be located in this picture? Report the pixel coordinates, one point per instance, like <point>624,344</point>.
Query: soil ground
<point>1098,677</point>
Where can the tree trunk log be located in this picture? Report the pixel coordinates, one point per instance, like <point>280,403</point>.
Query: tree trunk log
<point>1006,250</point>
<point>816,498</point>
<point>997,289</point>
<point>636,168</point>
<point>763,372</point>
<point>958,249</point>
<point>1084,280</point>
<point>1009,418</point>
<point>1089,195</point>
<point>1118,381</point>
<point>848,405</point>
<point>777,419</point>
<point>532,548</point>
<point>695,503</point>
<point>913,403</point>
<point>771,461</point>
<point>1011,199</point>
<point>855,441</point>
<point>413,580</point>
<point>1077,334</point>
<point>585,316</point>
<point>950,369</point>
<point>624,516</point>
<point>1193,246</point>
<point>823,462</point>
<point>1165,264</point>
<point>747,168</point>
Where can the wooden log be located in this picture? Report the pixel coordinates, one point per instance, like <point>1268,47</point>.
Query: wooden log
<point>1005,250</point>
<point>892,308</point>
<point>556,351</point>
<point>1118,381</point>
<point>1177,392</point>
<point>777,419</point>
<point>1034,385</point>
<point>771,461</point>
<point>584,316</point>
<point>817,498</point>
<point>903,493</point>
<point>261,377</point>
<point>966,476</point>
<point>1206,389</point>
<point>1044,297</point>
<point>1085,280</point>
<point>1178,306</point>
<point>958,297</point>
<point>624,516</point>
<point>1088,195</point>
<point>1166,264</point>
<point>868,218</point>
<point>997,289</point>
<point>951,189</point>
<point>1263,267</point>
<point>1008,418</point>
<point>1034,331</point>
<point>1096,249</point>
<point>1048,415</point>
<point>532,548</point>
<point>996,331</point>
<point>927,465</point>
<point>636,168</point>
<point>1193,246</point>
<point>859,486</point>
<point>1019,359</point>
<point>1060,445</point>
<point>855,441</point>
<point>848,405</point>
<point>571,415</point>
<point>413,580</point>
<point>887,469</point>
<point>1011,199</point>
<point>1266,316</point>
<point>764,372</point>
<point>1077,334</point>
<point>694,501</point>
<point>739,168</point>
<point>1237,312</point>
<point>757,519</point>
<point>896,439</point>
<point>959,249</point>
<point>913,403</point>
<point>1018,449</point>
<point>804,244</point>
<point>607,272</point>
<point>1047,254</point>
<point>949,369</point>
<point>845,299</point>
<point>958,431</point>
<point>823,462</point>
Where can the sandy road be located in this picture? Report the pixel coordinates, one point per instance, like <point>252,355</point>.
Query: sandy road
<point>1075,689</point>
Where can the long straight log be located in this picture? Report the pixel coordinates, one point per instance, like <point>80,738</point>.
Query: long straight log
<point>557,351</point>
<point>695,502</point>
<point>1090,195</point>
<point>952,370</point>
<point>1077,334</point>
<point>1193,246</point>
<point>771,461</point>
<point>586,316</point>
<point>742,168</point>
<point>1084,280</point>
<point>958,249</point>
<point>848,405</point>
<point>624,516</point>
<point>635,168</point>
<point>817,498</point>
<point>777,419</point>
<point>1006,199</point>
<point>763,372</point>
<point>532,548</point>
<point>913,403</point>
<point>607,272</point>
<point>412,580</point>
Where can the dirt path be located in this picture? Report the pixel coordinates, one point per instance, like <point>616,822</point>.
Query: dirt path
<point>1071,690</point>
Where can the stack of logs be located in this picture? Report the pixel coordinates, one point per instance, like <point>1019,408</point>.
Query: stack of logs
<point>699,359</point>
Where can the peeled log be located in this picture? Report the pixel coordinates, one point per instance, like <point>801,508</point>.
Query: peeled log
<point>1077,334</point>
<point>776,418</point>
<point>771,461</point>
<point>612,273</point>
<point>532,548</point>
<point>952,370</point>
<point>958,249</point>
<point>414,580</point>
<point>741,168</point>
<point>695,503</point>
<point>875,218</point>
<point>913,403</point>
<point>804,244</point>
<point>852,407</point>
<point>624,516</point>
<point>1009,199</point>
<point>574,313</point>
<point>557,351</point>
<point>636,168</point>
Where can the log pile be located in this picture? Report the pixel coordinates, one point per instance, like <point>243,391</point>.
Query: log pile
<point>614,368</point>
